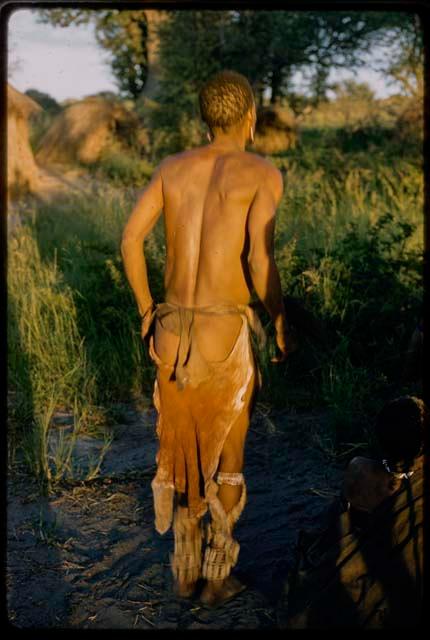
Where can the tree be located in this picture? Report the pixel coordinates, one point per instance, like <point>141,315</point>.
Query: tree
<point>185,63</point>
<point>350,89</point>
<point>279,43</point>
<point>122,33</point>
<point>404,41</point>
<point>319,85</point>
<point>47,102</point>
<point>266,46</point>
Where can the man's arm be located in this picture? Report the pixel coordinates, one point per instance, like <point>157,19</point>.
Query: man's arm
<point>142,219</point>
<point>261,259</point>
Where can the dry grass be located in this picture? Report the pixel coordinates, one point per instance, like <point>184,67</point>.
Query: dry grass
<point>276,130</point>
<point>85,129</point>
<point>22,170</point>
<point>410,121</point>
<point>348,243</point>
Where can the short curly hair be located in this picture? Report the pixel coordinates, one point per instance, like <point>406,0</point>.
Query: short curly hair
<point>224,99</point>
<point>400,430</point>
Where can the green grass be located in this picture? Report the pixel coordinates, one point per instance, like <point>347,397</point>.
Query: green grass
<point>348,244</point>
<point>123,168</point>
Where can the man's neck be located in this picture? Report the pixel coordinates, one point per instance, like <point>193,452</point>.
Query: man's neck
<point>230,142</point>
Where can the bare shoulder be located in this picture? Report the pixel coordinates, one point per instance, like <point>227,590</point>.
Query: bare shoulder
<point>266,172</point>
<point>167,164</point>
<point>176,160</point>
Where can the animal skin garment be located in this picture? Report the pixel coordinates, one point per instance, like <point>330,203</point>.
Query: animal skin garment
<point>198,403</point>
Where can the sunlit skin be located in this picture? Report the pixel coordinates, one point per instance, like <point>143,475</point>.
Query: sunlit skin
<point>219,204</point>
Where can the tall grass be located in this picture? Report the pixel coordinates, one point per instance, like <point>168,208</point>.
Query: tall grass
<point>87,233</point>
<point>348,244</point>
<point>46,353</point>
<point>47,363</point>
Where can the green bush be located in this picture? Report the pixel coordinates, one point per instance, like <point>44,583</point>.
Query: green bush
<point>39,125</point>
<point>124,168</point>
<point>349,241</point>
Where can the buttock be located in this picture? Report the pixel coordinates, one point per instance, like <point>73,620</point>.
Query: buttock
<point>215,337</point>
<point>165,343</point>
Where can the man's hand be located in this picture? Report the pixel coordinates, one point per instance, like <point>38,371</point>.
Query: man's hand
<point>286,343</point>
<point>281,343</point>
<point>146,320</point>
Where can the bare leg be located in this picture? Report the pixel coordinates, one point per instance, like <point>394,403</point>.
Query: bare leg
<point>232,496</point>
<point>187,557</point>
<point>232,462</point>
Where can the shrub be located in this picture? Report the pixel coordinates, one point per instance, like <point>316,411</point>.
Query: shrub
<point>124,168</point>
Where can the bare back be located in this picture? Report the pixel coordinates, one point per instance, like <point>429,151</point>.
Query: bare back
<point>207,197</point>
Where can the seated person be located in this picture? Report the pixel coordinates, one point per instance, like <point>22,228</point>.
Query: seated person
<point>364,568</point>
<point>400,438</point>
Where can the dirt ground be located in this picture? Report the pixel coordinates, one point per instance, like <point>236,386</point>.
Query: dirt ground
<point>89,556</point>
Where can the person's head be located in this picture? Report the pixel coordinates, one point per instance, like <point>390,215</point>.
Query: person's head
<point>400,430</point>
<point>227,103</point>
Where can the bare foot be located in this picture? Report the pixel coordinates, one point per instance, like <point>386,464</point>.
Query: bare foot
<point>184,589</point>
<point>218,591</point>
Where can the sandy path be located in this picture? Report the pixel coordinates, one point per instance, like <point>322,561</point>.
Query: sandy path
<point>89,556</point>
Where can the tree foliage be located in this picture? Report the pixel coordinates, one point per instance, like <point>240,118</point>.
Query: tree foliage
<point>404,41</point>
<point>120,32</point>
<point>268,47</point>
<point>47,102</point>
<point>350,89</point>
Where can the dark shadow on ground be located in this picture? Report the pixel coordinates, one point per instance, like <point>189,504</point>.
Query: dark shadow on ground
<point>115,567</point>
<point>363,571</point>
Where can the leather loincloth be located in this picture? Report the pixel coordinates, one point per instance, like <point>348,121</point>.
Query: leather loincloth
<point>198,402</point>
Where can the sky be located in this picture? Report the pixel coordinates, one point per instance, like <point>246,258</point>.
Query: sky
<point>67,62</point>
<point>64,62</point>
